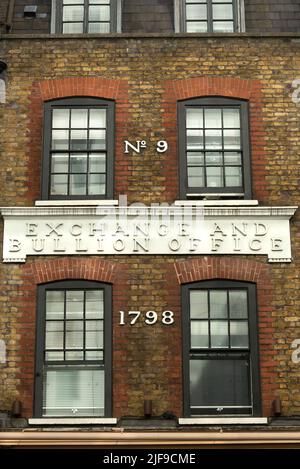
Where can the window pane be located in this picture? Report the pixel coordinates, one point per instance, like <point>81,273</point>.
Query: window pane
<point>199,334</point>
<point>73,28</point>
<point>196,12</point>
<point>99,13</point>
<point>195,176</point>
<point>59,184</point>
<point>54,356</point>
<point>73,13</point>
<point>94,355</point>
<point>199,304</point>
<point>215,158</point>
<point>238,304</point>
<point>60,118</point>
<point>73,392</point>
<point>94,334</point>
<point>194,139</point>
<point>232,139</point>
<point>98,118</point>
<point>195,158</point>
<point>97,163</point>
<point>74,334</point>
<point>213,139</point>
<point>233,158</point>
<point>79,118</point>
<point>99,28</point>
<point>239,334</point>
<point>71,2</point>
<point>233,177</point>
<point>60,139</point>
<point>219,383</point>
<point>74,304</point>
<point>74,356</point>
<point>213,118</point>
<point>97,139</point>
<point>78,184</point>
<point>219,334</point>
<point>222,12</point>
<point>78,162</point>
<point>54,304</point>
<point>78,140</point>
<point>54,335</point>
<point>223,27</point>
<point>97,184</point>
<point>231,118</point>
<point>196,27</point>
<point>94,304</point>
<point>218,304</point>
<point>194,118</point>
<point>214,176</point>
<point>59,163</point>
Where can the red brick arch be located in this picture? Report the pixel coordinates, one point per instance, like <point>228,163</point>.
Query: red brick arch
<point>205,86</point>
<point>97,87</point>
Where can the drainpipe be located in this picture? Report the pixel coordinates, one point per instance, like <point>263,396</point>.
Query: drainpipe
<point>9,15</point>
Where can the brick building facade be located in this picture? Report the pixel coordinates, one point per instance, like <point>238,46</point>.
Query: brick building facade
<point>149,67</point>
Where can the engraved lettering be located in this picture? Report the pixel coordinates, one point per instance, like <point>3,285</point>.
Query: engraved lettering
<point>120,231</point>
<point>216,243</point>
<point>54,228</point>
<point>183,229</point>
<point>255,245</point>
<point>100,229</point>
<point>194,244</point>
<point>100,245</point>
<point>174,245</point>
<point>119,245</point>
<point>162,230</point>
<point>237,242</point>
<point>138,244</point>
<point>31,229</point>
<point>57,246</point>
<point>38,245</point>
<point>143,230</point>
<point>76,230</point>
<point>236,230</point>
<point>79,247</point>
<point>218,231</point>
<point>276,244</point>
<point>260,229</point>
<point>15,245</point>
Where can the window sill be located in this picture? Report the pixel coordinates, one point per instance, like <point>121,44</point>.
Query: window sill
<point>223,421</point>
<point>72,421</point>
<point>76,203</point>
<point>217,203</point>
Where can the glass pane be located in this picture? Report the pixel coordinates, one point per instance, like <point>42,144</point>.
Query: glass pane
<point>222,12</point>
<point>231,118</point>
<point>94,304</point>
<point>199,304</point>
<point>74,304</point>
<point>194,158</point>
<point>54,335</point>
<point>223,27</point>
<point>60,139</point>
<point>219,334</point>
<point>199,334</point>
<point>196,12</point>
<point>74,334</point>
<point>78,162</point>
<point>79,118</point>
<point>98,118</point>
<point>97,163</point>
<point>59,184</point>
<point>78,184</point>
<point>99,28</point>
<point>54,356</point>
<point>195,176</point>
<point>71,2</point>
<point>73,13</point>
<point>97,184</point>
<point>54,305</point>
<point>74,356</point>
<point>97,139</point>
<point>99,13</point>
<point>218,304</point>
<point>213,139</point>
<point>232,139</point>
<point>94,334</point>
<point>239,334</point>
<point>73,28</point>
<point>194,139</point>
<point>214,176</point>
<point>73,392</point>
<point>219,383</point>
<point>233,158</point>
<point>94,355</point>
<point>60,118</point>
<point>196,27</point>
<point>233,177</point>
<point>59,163</point>
<point>78,140</point>
<point>238,304</point>
<point>214,158</point>
<point>213,118</point>
<point>194,118</point>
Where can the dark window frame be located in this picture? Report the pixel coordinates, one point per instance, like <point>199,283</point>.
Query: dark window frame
<point>218,353</point>
<point>80,102</point>
<point>222,192</point>
<point>41,333</point>
<point>59,18</point>
<point>236,25</point>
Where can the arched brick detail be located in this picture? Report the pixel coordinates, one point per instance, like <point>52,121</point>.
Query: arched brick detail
<point>97,87</point>
<point>210,268</point>
<point>230,87</point>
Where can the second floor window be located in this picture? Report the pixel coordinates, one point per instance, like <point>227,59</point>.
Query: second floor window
<point>86,16</point>
<point>214,148</point>
<point>78,149</point>
<point>202,16</point>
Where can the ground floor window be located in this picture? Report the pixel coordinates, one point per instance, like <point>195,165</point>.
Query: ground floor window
<point>73,363</point>
<point>220,349</point>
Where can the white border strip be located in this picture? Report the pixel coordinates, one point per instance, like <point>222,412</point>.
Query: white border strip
<point>73,421</point>
<point>224,421</point>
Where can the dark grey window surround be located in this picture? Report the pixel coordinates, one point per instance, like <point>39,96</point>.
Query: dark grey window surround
<point>59,17</point>
<point>183,18</point>
<point>235,356</point>
<point>243,191</point>
<point>84,103</point>
<point>105,364</point>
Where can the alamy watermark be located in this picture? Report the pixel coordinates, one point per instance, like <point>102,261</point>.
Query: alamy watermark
<point>2,352</point>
